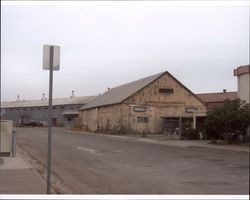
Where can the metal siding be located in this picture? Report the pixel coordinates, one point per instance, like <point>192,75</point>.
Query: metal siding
<point>33,113</point>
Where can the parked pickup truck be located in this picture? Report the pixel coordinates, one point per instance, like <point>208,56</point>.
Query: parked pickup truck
<point>32,123</point>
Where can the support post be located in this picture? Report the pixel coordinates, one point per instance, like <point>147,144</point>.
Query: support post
<point>180,126</point>
<point>13,143</point>
<point>50,120</point>
<point>194,121</point>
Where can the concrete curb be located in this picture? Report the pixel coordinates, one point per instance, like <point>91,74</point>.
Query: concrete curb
<point>57,187</point>
<point>176,143</point>
<point>27,159</point>
<point>221,148</point>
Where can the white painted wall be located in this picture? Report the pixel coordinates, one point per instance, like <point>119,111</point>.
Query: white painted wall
<point>243,87</point>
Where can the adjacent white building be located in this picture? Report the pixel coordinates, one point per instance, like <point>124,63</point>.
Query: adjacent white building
<point>243,82</point>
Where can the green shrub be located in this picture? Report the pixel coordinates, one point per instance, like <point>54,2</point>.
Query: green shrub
<point>190,134</point>
<point>229,121</point>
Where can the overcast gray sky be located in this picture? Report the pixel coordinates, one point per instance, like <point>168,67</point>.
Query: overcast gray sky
<point>107,44</point>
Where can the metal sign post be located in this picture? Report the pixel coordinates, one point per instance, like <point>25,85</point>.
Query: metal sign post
<point>51,61</point>
<point>50,120</point>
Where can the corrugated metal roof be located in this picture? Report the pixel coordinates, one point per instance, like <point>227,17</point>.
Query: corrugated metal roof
<point>217,97</point>
<point>39,103</point>
<point>120,93</point>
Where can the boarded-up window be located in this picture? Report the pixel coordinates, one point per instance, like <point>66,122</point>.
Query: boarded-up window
<point>191,110</point>
<point>166,90</point>
<point>142,119</point>
<point>140,109</point>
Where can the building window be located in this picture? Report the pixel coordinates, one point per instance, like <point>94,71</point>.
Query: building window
<point>166,90</point>
<point>142,119</point>
<point>38,108</point>
<point>54,107</point>
<point>31,108</point>
<point>62,107</point>
<point>140,109</point>
<point>191,110</point>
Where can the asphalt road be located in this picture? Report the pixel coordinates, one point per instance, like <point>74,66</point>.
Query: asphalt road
<point>100,164</point>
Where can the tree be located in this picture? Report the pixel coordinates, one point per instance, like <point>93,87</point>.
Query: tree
<point>230,119</point>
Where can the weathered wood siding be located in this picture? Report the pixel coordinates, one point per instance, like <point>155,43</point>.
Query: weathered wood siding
<point>110,117</point>
<point>158,105</point>
<point>161,105</point>
<point>89,119</point>
<point>180,98</point>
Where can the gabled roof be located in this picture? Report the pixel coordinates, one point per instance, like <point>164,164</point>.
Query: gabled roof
<point>217,97</point>
<point>119,94</point>
<point>55,102</point>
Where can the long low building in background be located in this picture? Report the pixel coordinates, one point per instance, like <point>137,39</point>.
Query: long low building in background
<point>65,110</point>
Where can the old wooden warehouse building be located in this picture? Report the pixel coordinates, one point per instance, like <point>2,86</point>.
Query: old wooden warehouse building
<point>155,104</point>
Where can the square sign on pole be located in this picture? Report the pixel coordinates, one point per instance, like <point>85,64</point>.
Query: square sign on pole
<point>51,62</point>
<point>51,57</point>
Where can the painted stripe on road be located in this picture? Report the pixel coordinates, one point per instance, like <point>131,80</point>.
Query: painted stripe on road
<point>93,151</point>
